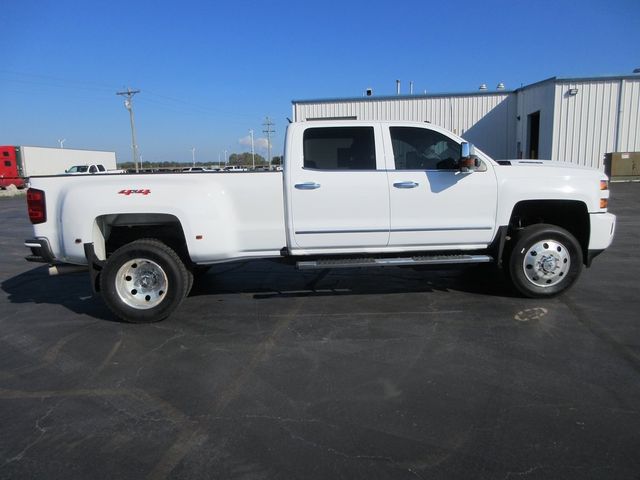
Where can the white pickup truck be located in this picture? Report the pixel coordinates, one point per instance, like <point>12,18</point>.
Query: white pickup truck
<point>352,194</point>
<point>90,170</point>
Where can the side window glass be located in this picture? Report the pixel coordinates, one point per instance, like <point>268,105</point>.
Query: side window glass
<point>101,168</point>
<point>7,163</point>
<point>339,148</point>
<point>423,149</point>
<point>93,169</point>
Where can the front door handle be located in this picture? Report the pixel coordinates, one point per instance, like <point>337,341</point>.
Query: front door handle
<point>307,186</point>
<point>406,184</point>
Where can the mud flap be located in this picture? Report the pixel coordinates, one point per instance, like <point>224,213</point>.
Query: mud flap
<point>95,266</point>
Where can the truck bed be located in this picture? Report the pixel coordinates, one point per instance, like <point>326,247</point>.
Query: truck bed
<point>224,215</point>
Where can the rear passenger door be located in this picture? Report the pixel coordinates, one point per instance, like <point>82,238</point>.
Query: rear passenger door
<point>338,192</point>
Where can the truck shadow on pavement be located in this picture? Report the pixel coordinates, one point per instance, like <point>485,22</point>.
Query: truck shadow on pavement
<point>265,279</point>
<point>71,291</point>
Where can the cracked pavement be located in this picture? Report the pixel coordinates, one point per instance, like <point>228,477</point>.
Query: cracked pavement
<point>266,372</point>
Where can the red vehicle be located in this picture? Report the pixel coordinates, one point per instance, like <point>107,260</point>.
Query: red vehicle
<point>10,169</point>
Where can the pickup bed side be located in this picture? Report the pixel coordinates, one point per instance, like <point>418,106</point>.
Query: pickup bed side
<point>221,217</point>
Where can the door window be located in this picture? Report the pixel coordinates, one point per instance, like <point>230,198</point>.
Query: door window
<point>423,149</point>
<point>339,148</point>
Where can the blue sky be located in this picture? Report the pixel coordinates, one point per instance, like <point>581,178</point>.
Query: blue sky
<point>210,71</point>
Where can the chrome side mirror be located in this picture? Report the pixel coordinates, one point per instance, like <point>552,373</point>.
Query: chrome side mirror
<point>465,149</point>
<point>468,161</point>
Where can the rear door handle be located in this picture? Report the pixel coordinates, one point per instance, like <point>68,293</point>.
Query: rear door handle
<point>307,186</point>
<point>406,184</point>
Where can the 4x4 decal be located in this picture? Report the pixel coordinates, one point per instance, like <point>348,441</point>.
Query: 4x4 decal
<point>144,191</point>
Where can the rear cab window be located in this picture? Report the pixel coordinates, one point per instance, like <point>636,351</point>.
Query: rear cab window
<point>339,148</point>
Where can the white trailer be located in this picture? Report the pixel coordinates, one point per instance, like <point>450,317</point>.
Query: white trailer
<point>54,161</point>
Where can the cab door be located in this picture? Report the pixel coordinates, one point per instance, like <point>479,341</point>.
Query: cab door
<point>338,195</point>
<point>432,203</point>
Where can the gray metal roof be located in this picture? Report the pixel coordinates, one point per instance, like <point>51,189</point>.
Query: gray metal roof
<point>404,96</point>
<point>468,94</point>
<point>597,78</point>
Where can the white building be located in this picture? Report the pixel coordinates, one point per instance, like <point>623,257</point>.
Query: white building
<point>576,120</point>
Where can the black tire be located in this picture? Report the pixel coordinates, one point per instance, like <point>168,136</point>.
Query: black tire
<point>190,279</point>
<point>545,260</point>
<point>144,281</point>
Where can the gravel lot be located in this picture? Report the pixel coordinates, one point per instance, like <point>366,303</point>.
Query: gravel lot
<point>268,372</point>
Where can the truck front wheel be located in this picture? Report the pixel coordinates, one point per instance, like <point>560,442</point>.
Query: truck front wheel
<point>545,261</point>
<point>144,281</point>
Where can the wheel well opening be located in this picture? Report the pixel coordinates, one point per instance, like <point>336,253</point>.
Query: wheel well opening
<point>120,229</point>
<point>571,215</point>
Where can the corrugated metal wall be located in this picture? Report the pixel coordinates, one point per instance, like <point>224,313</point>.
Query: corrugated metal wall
<point>486,120</point>
<point>629,127</point>
<point>602,117</point>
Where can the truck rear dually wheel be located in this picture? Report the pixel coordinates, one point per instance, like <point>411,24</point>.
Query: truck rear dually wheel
<point>545,261</point>
<point>144,281</point>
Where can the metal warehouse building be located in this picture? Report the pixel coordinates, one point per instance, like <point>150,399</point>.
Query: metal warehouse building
<point>578,120</point>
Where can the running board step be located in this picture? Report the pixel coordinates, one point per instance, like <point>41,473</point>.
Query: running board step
<point>392,262</point>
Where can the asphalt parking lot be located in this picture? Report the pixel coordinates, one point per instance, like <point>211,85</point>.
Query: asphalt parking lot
<point>268,372</point>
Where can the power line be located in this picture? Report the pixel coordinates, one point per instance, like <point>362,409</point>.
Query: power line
<point>87,89</point>
<point>52,81</point>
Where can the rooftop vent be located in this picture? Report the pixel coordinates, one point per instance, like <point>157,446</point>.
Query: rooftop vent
<point>483,86</point>
<point>500,86</point>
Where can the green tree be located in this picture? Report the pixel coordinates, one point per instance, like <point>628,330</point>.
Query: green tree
<point>245,159</point>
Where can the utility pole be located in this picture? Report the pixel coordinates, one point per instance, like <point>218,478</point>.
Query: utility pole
<point>268,131</point>
<point>193,156</point>
<point>253,152</point>
<point>61,142</point>
<point>225,158</point>
<point>128,104</point>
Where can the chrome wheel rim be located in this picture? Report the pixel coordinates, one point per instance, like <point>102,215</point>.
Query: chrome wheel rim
<point>141,283</point>
<point>546,263</point>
